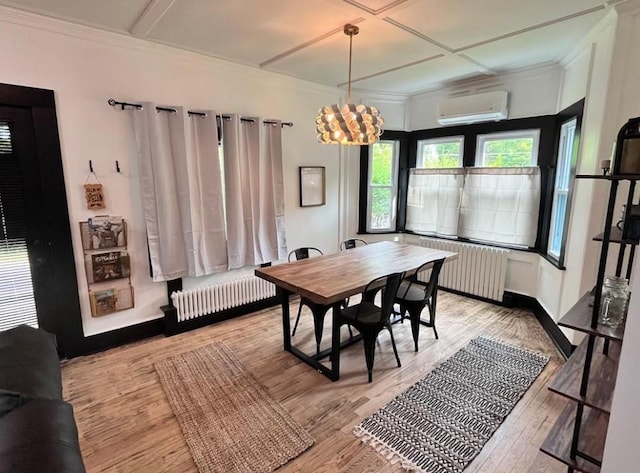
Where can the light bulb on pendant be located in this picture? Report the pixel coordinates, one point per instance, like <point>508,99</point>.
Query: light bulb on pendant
<point>357,125</point>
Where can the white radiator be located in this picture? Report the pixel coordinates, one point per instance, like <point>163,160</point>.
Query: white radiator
<point>479,270</point>
<point>224,295</point>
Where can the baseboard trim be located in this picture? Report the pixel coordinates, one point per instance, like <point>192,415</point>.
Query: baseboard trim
<point>122,336</point>
<point>174,327</point>
<point>471,296</point>
<point>559,339</point>
<point>152,328</point>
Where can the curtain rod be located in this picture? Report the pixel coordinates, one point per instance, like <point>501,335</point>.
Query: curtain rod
<point>115,103</point>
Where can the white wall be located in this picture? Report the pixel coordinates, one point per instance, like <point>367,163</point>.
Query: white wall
<point>621,450</point>
<point>86,67</point>
<point>532,92</point>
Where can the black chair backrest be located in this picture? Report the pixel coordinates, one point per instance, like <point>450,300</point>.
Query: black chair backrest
<point>303,252</point>
<point>389,289</point>
<point>351,243</point>
<point>433,279</point>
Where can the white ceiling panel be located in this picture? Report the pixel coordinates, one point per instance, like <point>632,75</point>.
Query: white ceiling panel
<point>411,80</point>
<point>248,33</point>
<point>117,15</point>
<point>394,51</point>
<point>379,46</point>
<point>546,45</point>
<point>375,6</point>
<point>460,23</point>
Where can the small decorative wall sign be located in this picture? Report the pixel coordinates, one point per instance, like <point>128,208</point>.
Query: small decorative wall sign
<point>94,195</point>
<point>312,186</point>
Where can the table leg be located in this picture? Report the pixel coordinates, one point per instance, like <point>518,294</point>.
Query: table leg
<point>283,294</point>
<point>335,343</point>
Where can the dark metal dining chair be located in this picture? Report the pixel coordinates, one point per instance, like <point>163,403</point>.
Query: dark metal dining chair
<point>318,310</point>
<point>352,243</point>
<point>369,319</point>
<point>413,295</point>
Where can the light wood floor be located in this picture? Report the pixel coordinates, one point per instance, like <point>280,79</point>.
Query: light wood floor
<point>126,424</point>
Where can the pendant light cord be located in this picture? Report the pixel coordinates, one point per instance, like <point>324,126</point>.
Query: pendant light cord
<point>349,83</point>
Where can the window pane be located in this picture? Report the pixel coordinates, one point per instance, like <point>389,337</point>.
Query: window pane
<point>382,163</point>
<point>440,153</point>
<point>382,186</point>
<point>380,208</point>
<point>555,240</point>
<point>511,149</point>
<point>561,187</point>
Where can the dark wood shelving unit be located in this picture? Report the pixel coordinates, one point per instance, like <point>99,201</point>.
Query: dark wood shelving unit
<point>558,442</point>
<point>610,177</point>
<point>615,237</point>
<point>579,318</point>
<point>588,377</point>
<point>602,376</point>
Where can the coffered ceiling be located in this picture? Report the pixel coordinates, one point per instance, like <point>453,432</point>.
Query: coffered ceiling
<point>404,46</point>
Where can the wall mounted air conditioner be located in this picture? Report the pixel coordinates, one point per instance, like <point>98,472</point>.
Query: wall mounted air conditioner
<point>490,106</point>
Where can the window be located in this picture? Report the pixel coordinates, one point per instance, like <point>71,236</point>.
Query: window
<point>501,205</point>
<point>440,152</point>
<point>490,182</point>
<point>382,186</point>
<point>17,301</point>
<point>561,188</point>
<point>510,149</point>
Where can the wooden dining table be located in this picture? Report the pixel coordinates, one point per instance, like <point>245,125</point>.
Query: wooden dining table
<point>330,279</point>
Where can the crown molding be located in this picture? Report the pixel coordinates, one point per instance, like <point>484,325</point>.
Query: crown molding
<point>626,6</point>
<point>129,43</point>
<point>479,84</point>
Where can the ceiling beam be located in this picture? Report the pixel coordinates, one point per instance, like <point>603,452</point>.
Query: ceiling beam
<point>311,42</point>
<point>390,6</point>
<point>150,17</point>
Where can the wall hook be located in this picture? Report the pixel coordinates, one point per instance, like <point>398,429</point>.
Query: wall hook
<point>90,166</point>
<point>117,166</point>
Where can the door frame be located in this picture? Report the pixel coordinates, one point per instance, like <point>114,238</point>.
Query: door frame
<point>58,304</point>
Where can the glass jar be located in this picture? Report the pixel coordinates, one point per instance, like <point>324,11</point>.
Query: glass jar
<point>614,301</point>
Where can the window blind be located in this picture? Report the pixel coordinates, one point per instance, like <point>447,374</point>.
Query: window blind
<point>17,303</point>
<point>433,200</point>
<point>500,205</point>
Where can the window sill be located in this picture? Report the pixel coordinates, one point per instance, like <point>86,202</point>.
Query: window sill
<point>551,260</point>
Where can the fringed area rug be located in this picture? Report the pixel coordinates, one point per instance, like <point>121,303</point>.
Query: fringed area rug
<point>228,419</point>
<point>442,422</point>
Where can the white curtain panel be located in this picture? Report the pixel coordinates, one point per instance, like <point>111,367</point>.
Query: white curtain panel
<point>271,149</point>
<point>252,164</point>
<point>160,140</point>
<point>433,200</point>
<point>501,205</point>
<point>209,246</point>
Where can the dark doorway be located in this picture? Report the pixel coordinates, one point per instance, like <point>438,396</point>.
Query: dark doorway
<point>32,173</point>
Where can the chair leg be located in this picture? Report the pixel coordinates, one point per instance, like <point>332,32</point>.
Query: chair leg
<point>432,312</point>
<point>345,304</point>
<point>295,326</point>
<point>414,318</point>
<point>318,324</point>
<point>393,344</point>
<point>369,352</point>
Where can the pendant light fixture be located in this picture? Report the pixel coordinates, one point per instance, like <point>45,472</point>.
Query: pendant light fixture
<point>350,124</point>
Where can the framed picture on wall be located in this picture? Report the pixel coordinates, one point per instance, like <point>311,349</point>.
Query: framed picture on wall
<point>312,186</point>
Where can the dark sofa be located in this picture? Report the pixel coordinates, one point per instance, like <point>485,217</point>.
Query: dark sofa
<point>37,429</point>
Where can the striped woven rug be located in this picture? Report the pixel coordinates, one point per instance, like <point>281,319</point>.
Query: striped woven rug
<point>228,419</point>
<point>442,422</point>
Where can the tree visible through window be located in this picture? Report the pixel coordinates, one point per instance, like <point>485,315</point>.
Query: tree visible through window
<point>511,149</point>
<point>383,158</point>
<point>440,152</point>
